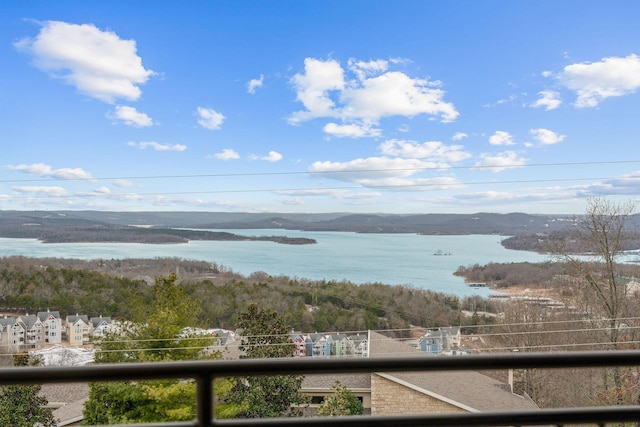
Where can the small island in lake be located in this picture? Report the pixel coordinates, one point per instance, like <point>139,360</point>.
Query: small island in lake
<point>51,228</point>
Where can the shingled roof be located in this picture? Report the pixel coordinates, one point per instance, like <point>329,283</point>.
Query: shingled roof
<point>469,390</point>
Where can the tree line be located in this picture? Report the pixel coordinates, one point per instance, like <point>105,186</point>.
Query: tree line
<point>114,288</point>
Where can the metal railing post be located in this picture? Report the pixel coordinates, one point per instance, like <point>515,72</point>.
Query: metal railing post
<point>204,372</point>
<point>204,403</point>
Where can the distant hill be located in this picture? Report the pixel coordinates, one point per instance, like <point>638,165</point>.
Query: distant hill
<point>67,227</point>
<point>451,224</point>
<point>481,223</point>
<point>179,227</point>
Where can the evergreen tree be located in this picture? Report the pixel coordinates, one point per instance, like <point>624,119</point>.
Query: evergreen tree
<point>341,402</point>
<point>265,335</point>
<point>21,406</point>
<point>162,332</point>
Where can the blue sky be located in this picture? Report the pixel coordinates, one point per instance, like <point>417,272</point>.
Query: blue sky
<point>319,106</point>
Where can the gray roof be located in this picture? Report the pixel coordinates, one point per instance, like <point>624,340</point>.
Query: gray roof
<point>96,321</point>
<point>29,320</point>
<point>383,346</point>
<point>325,382</point>
<point>64,393</point>
<point>7,322</point>
<point>70,413</point>
<point>469,389</point>
<point>44,315</point>
<point>68,400</point>
<point>74,318</point>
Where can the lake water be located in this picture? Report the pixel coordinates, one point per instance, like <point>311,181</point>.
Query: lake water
<point>394,259</point>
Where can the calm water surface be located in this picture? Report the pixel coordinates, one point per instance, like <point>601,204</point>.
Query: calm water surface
<point>395,259</point>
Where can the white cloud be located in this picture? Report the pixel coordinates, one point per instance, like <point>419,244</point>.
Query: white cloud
<point>313,87</point>
<point>227,154</point>
<point>391,173</point>
<point>41,190</point>
<point>507,198</point>
<point>433,150</point>
<point>506,100</point>
<point>103,190</point>
<point>124,183</point>
<point>209,118</point>
<point>364,69</point>
<point>501,138</point>
<point>98,63</point>
<point>42,169</point>
<point>546,136</point>
<point>293,202</point>
<point>273,156</point>
<point>395,94</point>
<point>351,130</point>
<point>157,146</point>
<point>361,102</point>
<point>595,81</point>
<point>131,117</point>
<point>401,61</point>
<point>334,193</point>
<point>371,168</point>
<point>500,162</point>
<point>254,84</point>
<point>628,184</point>
<point>459,136</point>
<point>549,99</point>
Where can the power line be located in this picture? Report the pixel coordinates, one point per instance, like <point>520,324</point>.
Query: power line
<point>285,190</point>
<point>554,322</point>
<point>336,171</point>
<point>556,346</point>
<point>251,337</point>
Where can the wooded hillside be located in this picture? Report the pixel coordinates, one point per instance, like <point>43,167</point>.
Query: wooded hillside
<point>115,287</point>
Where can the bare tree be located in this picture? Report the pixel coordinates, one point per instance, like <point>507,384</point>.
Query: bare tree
<point>602,235</point>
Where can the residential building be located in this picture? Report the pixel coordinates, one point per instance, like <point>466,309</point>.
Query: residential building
<point>12,335</point>
<point>298,341</point>
<point>52,326</point>
<point>99,325</point>
<point>339,344</point>
<point>441,341</point>
<point>77,329</point>
<point>34,331</point>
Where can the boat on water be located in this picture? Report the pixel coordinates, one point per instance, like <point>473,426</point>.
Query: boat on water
<point>441,253</point>
<point>478,285</point>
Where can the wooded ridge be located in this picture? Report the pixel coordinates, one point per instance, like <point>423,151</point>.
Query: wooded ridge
<point>118,288</point>
<point>59,228</point>
<point>526,231</point>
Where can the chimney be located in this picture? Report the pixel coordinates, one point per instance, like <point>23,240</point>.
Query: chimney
<point>517,379</point>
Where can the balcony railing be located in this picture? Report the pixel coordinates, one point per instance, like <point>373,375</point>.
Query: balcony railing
<point>203,372</point>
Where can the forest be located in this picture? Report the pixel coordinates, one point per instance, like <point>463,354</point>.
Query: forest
<point>115,287</point>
